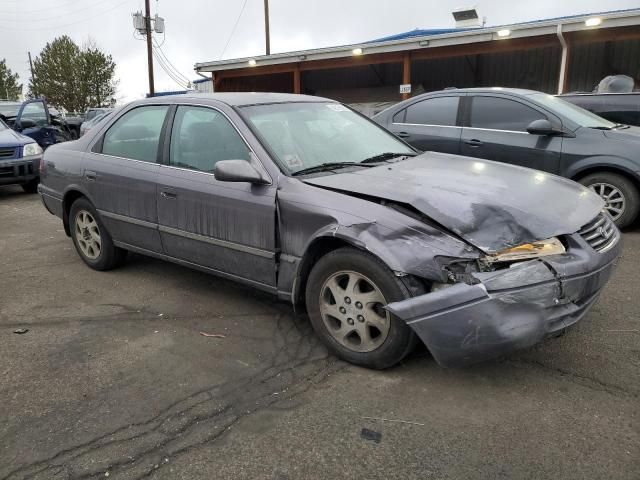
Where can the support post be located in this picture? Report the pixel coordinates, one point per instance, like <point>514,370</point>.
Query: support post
<point>297,87</point>
<point>406,72</point>
<point>217,81</point>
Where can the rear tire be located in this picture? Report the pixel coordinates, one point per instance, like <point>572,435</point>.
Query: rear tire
<point>31,187</point>
<point>623,202</point>
<point>91,239</point>
<point>345,293</point>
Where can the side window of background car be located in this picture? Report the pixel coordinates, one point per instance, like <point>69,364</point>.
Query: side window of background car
<point>203,136</point>
<point>35,111</point>
<point>497,113</point>
<point>136,134</point>
<point>434,111</point>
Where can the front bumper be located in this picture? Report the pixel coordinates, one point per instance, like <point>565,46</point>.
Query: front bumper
<point>509,309</point>
<point>19,171</point>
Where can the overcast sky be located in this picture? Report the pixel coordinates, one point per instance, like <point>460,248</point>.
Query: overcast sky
<point>198,30</point>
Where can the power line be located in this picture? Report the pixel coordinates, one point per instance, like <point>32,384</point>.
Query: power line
<point>53,27</point>
<point>169,64</point>
<point>233,30</point>
<point>40,10</point>
<point>168,72</point>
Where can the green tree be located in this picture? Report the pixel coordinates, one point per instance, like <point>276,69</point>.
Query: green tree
<point>98,80</point>
<point>10,89</point>
<point>73,78</point>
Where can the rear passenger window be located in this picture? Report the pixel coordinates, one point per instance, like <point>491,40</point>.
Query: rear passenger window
<point>202,137</point>
<point>136,134</point>
<point>497,113</point>
<point>434,111</point>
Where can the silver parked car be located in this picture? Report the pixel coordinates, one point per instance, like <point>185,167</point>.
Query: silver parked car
<point>304,198</point>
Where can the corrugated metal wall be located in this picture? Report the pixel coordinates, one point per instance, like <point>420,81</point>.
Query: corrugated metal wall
<point>591,62</point>
<point>536,69</point>
<point>366,76</point>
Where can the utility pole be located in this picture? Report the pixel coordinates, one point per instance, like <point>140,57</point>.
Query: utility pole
<point>33,77</point>
<point>266,26</point>
<point>147,22</point>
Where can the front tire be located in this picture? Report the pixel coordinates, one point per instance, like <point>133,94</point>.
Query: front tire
<point>346,293</point>
<point>622,199</point>
<point>91,239</point>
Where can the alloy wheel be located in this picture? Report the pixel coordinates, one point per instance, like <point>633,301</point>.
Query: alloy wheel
<point>88,235</point>
<point>352,309</point>
<point>613,197</point>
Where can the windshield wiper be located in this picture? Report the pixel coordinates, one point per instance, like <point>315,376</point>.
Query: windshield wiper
<point>620,126</point>
<point>328,166</point>
<point>602,128</point>
<point>387,156</point>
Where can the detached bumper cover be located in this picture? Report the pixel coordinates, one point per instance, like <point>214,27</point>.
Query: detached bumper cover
<point>509,309</point>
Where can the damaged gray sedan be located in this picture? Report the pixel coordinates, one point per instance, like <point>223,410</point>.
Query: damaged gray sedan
<point>302,197</point>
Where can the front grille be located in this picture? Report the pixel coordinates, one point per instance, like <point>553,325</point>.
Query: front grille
<point>6,152</point>
<point>601,233</point>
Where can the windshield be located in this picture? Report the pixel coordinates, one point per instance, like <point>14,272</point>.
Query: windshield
<point>304,135</point>
<point>9,109</point>
<point>576,114</point>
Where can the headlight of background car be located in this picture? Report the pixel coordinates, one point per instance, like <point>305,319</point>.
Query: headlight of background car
<point>542,248</point>
<point>31,149</point>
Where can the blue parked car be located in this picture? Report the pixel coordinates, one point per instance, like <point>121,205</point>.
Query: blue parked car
<point>20,158</point>
<point>33,119</point>
<point>26,130</point>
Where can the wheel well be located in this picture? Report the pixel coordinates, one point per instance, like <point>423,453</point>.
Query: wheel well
<point>577,177</point>
<point>323,245</point>
<point>318,248</point>
<point>69,197</point>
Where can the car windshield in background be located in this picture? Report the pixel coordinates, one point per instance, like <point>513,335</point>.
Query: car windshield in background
<point>307,135</point>
<point>9,109</point>
<point>576,114</point>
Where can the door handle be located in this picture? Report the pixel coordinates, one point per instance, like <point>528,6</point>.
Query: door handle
<point>168,194</point>
<point>403,134</point>
<point>90,176</point>
<point>474,142</point>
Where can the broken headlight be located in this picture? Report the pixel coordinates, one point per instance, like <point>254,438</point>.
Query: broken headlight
<point>527,251</point>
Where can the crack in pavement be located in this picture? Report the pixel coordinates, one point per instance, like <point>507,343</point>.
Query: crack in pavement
<point>585,381</point>
<point>298,363</point>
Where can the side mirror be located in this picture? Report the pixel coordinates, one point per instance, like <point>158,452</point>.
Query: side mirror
<point>237,171</point>
<point>542,127</point>
<point>27,123</point>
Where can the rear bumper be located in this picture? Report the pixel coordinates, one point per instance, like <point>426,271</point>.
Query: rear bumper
<point>509,309</point>
<point>19,171</point>
<point>51,202</point>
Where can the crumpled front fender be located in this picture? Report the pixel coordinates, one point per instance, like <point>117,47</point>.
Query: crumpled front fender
<point>508,310</point>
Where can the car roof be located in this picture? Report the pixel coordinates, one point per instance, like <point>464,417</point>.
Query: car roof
<point>238,98</point>
<point>516,91</point>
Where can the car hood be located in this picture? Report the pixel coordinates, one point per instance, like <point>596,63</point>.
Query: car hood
<point>11,138</point>
<point>491,205</point>
<point>631,134</point>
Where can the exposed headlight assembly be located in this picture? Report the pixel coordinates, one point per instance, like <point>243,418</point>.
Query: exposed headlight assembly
<point>31,149</point>
<point>526,251</point>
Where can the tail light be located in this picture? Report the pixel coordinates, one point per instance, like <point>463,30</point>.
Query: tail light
<point>42,167</point>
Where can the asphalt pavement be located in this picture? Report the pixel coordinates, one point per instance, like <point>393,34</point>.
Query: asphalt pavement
<point>115,379</point>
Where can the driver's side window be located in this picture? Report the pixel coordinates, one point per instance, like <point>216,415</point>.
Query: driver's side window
<point>201,137</point>
<point>35,111</point>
